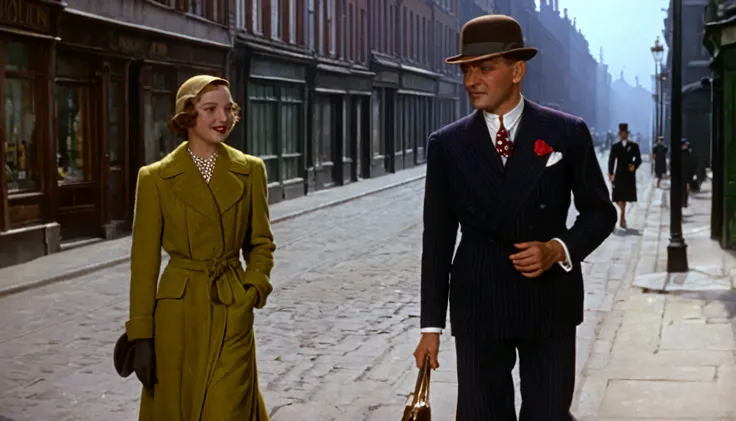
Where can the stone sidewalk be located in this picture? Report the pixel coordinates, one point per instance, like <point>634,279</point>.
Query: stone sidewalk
<point>667,351</point>
<point>88,259</point>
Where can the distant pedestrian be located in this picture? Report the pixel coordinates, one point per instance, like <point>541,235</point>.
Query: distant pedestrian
<point>624,160</point>
<point>688,166</point>
<point>194,345</point>
<point>659,153</point>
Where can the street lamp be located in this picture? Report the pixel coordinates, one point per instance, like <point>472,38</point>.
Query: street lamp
<point>676,249</point>
<point>658,54</point>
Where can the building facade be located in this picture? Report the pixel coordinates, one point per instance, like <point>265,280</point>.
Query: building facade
<point>88,90</point>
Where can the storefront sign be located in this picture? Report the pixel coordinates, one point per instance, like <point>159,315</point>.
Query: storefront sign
<point>272,68</point>
<point>446,89</point>
<point>138,47</point>
<point>418,83</point>
<point>388,77</point>
<point>25,14</point>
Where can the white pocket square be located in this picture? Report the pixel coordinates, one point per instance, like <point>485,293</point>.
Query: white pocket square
<point>554,158</point>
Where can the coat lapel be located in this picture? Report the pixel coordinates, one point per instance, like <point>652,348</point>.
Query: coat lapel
<point>525,167</point>
<point>187,183</point>
<point>481,142</point>
<point>226,183</point>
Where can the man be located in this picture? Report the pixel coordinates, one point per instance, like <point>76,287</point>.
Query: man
<point>625,157</point>
<point>504,175</point>
<point>659,153</point>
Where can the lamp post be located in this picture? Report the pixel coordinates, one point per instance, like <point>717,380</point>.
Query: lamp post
<point>661,81</point>
<point>658,54</point>
<point>676,249</point>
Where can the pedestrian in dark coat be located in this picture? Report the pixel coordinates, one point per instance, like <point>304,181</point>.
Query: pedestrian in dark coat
<point>687,167</point>
<point>504,175</point>
<point>660,159</point>
<point>624,160</point>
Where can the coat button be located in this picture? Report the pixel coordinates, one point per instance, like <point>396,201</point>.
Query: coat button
<point>542,206</point>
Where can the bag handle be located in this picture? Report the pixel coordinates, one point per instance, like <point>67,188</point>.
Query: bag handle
<point>421,389</point>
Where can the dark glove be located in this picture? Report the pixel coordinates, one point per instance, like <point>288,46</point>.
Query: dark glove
<point>144,363</point>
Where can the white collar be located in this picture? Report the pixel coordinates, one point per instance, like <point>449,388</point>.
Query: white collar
<point>510,119</point>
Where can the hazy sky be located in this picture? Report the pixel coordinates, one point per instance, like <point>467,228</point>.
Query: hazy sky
<point>626,29</point>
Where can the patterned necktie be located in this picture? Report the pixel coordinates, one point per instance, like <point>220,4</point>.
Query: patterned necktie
<point>504,147</point>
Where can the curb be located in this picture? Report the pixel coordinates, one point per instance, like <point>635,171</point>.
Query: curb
<point>94,267</point>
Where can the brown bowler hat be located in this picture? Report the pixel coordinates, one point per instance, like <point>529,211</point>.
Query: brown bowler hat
<point>490,36</point>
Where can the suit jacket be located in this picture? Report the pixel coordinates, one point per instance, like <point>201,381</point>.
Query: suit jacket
<point>495,207</point>
<point>621,156</point>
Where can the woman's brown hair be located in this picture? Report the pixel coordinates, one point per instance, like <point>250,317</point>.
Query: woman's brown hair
<point>187,118</point>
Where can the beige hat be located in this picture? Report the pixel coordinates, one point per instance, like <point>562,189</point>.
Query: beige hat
<point>193,86</point>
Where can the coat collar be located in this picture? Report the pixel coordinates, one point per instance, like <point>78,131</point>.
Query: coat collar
<point>226,186</point>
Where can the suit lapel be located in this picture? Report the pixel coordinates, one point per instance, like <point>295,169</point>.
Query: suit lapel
<point>226,184</point>
<point>187,183</point>
<point>480,139</point>
<point>525,167</point>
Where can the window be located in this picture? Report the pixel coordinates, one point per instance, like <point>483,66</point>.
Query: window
<point>257,17</point>
<point>159,107</point>
<point>321,27</point>
<point>410,36</point>
<point>291,132</point>
<point>292,21</point>
<point>345,31</point>
<point>240,17</point>
<point>362,56</point>
<point>72,142</point>
<point>21,148</point>
<point>196,7</point>
<point>262,125</point>
<point>310,25</point>
<point>352,33</point>
<point>378,127</point>
<point>387,26</point>
<point>275,30</point>
<point>331,25</point>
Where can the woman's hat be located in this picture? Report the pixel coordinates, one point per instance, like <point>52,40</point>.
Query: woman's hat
<point>193,87</point>
<point>491,36</point>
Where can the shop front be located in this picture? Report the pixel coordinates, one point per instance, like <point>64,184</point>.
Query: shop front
<point>447,105</point>
<point>28,35</point>
<point>414,106</point>
<point>115,90</point>
<point>383,115</point>
<point>271,86</point>
<point>340,126</point>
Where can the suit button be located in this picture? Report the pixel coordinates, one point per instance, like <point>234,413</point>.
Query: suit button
<point>542,206</point>
<point>531,227</point>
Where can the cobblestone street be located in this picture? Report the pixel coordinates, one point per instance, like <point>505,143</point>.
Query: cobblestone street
<point>334,342</point>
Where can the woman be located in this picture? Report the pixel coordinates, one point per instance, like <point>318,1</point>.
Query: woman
<point>202,204</point>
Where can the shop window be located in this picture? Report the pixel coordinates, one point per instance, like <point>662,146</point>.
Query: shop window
<point>378,129</point>
<point>17,57</point>
<point>21,156</point>
<point>73,145</point>
<point>326,125</point>
<point>262,118</point>
<point>291,132</point>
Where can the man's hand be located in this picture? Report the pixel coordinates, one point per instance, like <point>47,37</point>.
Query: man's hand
<point>611,177</point>
<point>429,344</point>
<point>536,257</point>
<point>632,167</point>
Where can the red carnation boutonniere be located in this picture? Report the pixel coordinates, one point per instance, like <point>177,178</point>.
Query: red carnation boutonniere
<point>542,148</point>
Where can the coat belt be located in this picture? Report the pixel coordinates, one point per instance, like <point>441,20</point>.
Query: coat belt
<point>216,270</point>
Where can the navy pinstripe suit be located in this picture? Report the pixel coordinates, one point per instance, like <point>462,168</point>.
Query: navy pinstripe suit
<point>494,310</point>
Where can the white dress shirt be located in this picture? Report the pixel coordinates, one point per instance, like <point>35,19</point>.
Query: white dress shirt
<point>511,123</point>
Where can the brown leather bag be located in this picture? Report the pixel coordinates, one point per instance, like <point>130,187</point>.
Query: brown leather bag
<point>417,404</point>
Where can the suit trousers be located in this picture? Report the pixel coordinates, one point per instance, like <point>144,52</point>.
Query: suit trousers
<point>486,388</point>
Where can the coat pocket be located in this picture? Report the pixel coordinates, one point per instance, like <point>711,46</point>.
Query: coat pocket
<point>173,284</point>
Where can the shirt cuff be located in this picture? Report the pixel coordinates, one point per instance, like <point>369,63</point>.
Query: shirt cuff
<point>567,264</point>
<point>431,330</point>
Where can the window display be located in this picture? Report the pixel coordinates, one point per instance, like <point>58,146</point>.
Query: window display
<point>21,163</point>
<point>72,148</point>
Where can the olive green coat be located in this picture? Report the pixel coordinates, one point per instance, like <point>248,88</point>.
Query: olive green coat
<point>201,314</point>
